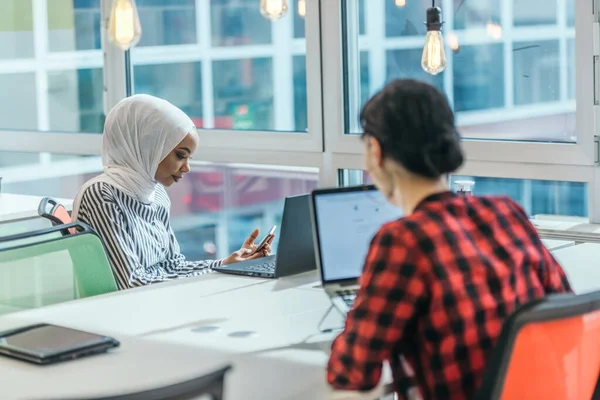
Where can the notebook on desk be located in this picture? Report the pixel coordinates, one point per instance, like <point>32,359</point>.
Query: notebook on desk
<point>295,251</point>
<point>344,222</point>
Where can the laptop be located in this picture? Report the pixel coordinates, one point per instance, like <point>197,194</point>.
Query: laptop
<point>295,251</point>
<point>344,222</point>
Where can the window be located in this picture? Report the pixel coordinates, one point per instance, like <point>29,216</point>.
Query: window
<point>511,77</point>
<point>216,207</point>
<point>224,64</point>
<point>537,197</point>
<point>52,86</point>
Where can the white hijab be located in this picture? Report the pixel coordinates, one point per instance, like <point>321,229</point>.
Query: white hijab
<point>139,132</point>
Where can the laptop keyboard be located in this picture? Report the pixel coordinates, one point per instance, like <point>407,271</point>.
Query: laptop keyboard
<point>348,296</point>
<point>265,267</point>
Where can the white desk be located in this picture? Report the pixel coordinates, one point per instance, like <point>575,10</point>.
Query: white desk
<point>17,206</point>
<point>139,364</point>
<point>261,326</point>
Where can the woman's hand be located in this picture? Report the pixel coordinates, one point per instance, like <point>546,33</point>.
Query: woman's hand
<point>245,253</point>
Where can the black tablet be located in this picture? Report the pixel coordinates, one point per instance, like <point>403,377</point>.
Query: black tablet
<point>48,344</point>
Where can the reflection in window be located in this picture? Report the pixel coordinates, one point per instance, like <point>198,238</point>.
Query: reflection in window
<point>536,72</point>
<point>238,22</point>
<point>535,196</point>
<point>75,100</point>
<point>243,93</point>
<point>167,22</point>
<point>216,207</point>
<point>185,92</point>
<point>534,12</point>
<point>479,77</point>
<point>16,27</point>
<point>475,14</point>
<point>73,25</point>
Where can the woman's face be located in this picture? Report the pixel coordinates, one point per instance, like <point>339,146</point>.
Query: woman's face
<point>176,164</point>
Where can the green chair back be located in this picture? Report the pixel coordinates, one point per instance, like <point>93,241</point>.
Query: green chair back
<point>43,267</point>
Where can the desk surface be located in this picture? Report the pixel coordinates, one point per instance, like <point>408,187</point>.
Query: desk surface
<point>266,328</point>
<point>19,206</point>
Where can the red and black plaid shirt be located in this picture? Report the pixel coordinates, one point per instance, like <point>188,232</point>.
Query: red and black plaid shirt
<point>436,287</point>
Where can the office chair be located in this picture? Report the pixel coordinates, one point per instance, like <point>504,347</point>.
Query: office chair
<point>44,267</point>
<point>209,387</point>
<point>548,349</point>
<point>52,210</point>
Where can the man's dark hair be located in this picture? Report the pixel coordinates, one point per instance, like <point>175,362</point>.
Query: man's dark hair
<point>414,124</point>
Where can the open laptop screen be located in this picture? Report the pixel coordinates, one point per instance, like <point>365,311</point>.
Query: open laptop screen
<point>346,219</point>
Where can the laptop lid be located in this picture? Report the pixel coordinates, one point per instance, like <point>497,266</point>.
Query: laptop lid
<point>295,251</point>
<point>344,223</point>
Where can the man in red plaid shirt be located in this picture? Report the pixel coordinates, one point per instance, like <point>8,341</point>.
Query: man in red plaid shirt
<point>438,284</point>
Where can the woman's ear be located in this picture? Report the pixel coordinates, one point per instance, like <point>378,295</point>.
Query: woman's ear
<point>374,147</point>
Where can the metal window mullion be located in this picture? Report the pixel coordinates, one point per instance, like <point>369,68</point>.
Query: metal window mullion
<point>377,54</point>
<point>113,72</point>
<point>507,35</point>
<point>282,33</point>
<point>204,36</point>
<point>563,52</point>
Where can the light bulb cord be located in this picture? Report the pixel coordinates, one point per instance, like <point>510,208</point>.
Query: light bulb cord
<point>432,3</point>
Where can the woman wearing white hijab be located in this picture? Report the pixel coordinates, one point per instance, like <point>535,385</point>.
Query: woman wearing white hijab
<point>147,144</point>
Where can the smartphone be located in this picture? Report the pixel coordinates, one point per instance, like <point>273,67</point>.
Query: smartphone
<point>47,344</point>
<point>264,240</point>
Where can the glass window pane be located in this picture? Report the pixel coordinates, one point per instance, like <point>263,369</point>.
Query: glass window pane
<point>536,196</point>
<point>536,72</point>
<point>218,206</point>
<point>185,93</point>
<point>407,64</point>
<point>479,78</point>
<point>475,14</point>
<point>19,111</point>
<point>534,12</point>
<point>243,92</point>
<point>406,20</point>
<point>62,177</point>
<point>73,25</point>
<point>570,4</point>
<point>502,87</point>
<point>300,96</point>
<point>16,29</point>
<point>167,22</point>
<point>75,100</point>
<point>236,23</point>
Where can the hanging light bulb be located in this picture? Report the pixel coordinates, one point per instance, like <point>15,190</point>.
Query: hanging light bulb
<point>452,42</point>
<point>124,28</point>
<point>494,30</point>
<point>273,9</point>
<point>302,8</point>
<point>400,3</point>
<point>434,58</point>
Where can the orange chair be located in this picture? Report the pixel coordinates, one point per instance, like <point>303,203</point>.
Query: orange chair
<point>548,349</point>
<point>57,214</point>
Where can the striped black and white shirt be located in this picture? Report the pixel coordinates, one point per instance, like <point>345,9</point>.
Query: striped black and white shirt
<point>140,242</point>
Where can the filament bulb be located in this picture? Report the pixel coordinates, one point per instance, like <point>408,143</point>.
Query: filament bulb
<point>273,9</point>
<point>124,28</point>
